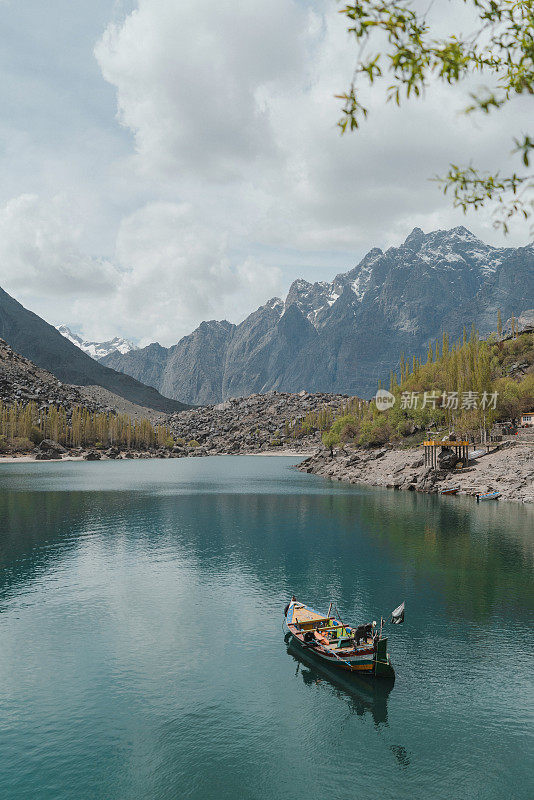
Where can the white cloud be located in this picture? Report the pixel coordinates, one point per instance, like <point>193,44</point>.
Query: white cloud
<point>39,251</point>
<point>244,94</point>
<point>228,149</point>
<point>181,273</point>
<point>170,271</point>
<point>190,77</point>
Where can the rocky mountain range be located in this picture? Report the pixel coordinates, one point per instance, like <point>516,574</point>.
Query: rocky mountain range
<point>35,339</point>
<point>343,336</point>
<point>97,350</point>
<point>23,382</point>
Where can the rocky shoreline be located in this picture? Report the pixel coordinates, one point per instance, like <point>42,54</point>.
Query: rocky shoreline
<point>49,450</point>
<point>509,470</point>
<point>31,458</point>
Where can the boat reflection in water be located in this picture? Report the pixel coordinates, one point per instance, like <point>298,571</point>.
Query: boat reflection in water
<point>365,695</point>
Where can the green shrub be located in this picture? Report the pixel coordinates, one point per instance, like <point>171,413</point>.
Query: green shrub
<point>330,439</point>
<point>345,428</point>
<point>193,443</point>
<point>375,433</point>
<point>451,370</point>
<point>509,403</point>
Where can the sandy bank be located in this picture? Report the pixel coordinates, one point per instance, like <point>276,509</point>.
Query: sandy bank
<point>289,453</point>
<point>29,459</point>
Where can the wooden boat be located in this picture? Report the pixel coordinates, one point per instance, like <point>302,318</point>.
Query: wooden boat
<point>488,496</point>
<point>362,649</point>
<point>451,490</point>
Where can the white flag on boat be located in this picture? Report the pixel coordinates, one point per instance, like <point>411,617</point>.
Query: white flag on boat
<point>397,616</point>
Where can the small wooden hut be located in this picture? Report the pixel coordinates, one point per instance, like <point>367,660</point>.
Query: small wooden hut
<point>432,448</point>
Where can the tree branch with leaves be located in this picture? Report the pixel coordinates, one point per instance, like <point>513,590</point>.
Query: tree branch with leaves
<point>501,49</point>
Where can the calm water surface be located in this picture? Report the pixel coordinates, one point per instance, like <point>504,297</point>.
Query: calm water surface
<point>142,652</point>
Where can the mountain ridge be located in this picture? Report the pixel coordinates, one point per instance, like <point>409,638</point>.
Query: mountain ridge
<point>344,335</point>
<point>41,343</point>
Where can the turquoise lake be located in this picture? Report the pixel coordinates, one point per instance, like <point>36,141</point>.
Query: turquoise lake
<point>142,655</point>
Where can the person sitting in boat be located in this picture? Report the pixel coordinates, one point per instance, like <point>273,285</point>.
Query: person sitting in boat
<point>286,609</point>
<point>321,637</point>
<point>363,632</point>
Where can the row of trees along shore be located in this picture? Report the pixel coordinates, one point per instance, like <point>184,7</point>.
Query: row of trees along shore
<point>469,368</point>
<point>24,426</point>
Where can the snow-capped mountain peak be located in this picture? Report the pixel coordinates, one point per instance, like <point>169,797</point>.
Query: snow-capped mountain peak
<point>97,350</point>
<point>345,334</point>
<point>441,255</point>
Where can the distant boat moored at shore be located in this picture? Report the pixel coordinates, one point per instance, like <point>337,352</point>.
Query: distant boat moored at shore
<point>488,496</point>
<point>474,454</point>
<point>362,649</point>
<point>450,490</point>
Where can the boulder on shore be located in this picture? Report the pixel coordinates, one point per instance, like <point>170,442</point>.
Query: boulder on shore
<point>49,450</point>
<point>49,444</point>
<point>447,458</point>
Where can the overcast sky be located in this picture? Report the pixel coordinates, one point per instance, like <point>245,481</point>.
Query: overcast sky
<point>169,161</point>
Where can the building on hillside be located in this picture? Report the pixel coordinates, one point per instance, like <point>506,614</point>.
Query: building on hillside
<point>527,419</point>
